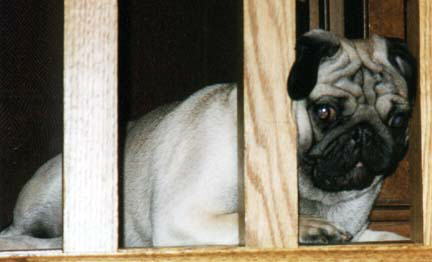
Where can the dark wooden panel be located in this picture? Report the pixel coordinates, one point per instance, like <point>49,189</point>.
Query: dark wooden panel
<point>387,17</point>
<point>396,190</point>
<point>390,214</point>
<point>314,14</point>
<point>336,13</point>
<point>415,154</point>
<point>401,228</point>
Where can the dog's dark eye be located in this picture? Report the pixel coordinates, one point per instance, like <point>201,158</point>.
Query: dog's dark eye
<point>325,113</point>
<point>399,120</point>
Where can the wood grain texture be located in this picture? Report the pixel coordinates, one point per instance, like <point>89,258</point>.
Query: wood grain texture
<point>425,107</point>
<point>387,17</point>
<point>314,14</point>
<point>270,161</point>
<point>415,150</point>
<point>389,214</point>
<point>336,15</point>
<point>398,227</point>
<point>417,23</point>
<point>90,129</point>
<point>396,190</point>
<point>363,253</point>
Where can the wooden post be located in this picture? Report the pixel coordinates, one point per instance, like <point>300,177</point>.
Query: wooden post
<point>314,14</point>
<point>90,130</point>
<point>336,16</point>
<point>270,158</point>
<point>419,36</point>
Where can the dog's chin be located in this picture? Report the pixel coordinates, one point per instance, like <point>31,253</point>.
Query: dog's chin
<point>358,178</point>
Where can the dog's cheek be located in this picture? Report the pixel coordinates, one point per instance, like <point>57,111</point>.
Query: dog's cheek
<point>377,154</point>
<point>400,136</point>
<point>401,144</point>
<point>304,128</point>
<point>399,150</point>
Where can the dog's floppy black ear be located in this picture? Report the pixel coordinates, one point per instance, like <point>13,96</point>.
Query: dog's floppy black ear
<point>311,48</point>
<point>401,58</point>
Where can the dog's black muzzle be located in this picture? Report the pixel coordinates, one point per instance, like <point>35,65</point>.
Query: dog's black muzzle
<point>352,160</point>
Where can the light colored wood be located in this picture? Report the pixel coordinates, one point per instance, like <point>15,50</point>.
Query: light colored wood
<point>363,253</point>
<point>336,15</point>
<point>90,129</point>
<point>270,160</point>
<point>424,40</point>
<point>5,255</point>
<point>313,14</point>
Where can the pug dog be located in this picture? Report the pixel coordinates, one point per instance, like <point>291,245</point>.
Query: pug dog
<point>352,100</point>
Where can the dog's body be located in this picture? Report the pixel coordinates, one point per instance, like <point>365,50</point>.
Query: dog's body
<point>181,175</point>
<point>203,174</point>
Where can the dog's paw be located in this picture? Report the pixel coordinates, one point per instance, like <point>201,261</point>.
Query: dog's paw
<point>314,230</point>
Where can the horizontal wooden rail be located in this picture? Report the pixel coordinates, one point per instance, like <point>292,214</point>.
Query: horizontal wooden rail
<point>363,253</point>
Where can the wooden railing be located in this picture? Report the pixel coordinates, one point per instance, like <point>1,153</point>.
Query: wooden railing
<point>269,143</point>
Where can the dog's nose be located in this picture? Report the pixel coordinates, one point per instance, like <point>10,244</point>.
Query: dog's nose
<point>356,135</point>
<point>362,133</point>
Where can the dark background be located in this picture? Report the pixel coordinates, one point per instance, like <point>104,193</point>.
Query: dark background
<point>31,64</point>
<point>168,49</point>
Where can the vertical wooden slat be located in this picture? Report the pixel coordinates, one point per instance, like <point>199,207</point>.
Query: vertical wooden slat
<point>336,16</point>
<point>415,153</point>
<point>270,161</point>
<point>314,14</point>
<point>90,130</point>
<point>419,36</point>
<point>425,73</point>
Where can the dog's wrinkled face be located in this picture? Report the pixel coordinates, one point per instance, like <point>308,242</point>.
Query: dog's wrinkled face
<point>352,101</point>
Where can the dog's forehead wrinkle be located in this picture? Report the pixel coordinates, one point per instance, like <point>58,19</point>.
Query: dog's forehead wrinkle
<point>321,90</point>
<point>347,85</point>
<point>362,74</point>
<point>369,86</point>
<point>386,102</point>
<point>365,53</point>
<point>366,112</point>
<point>358,77</point>
<point>351,61</point>
<point>344,63</point>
